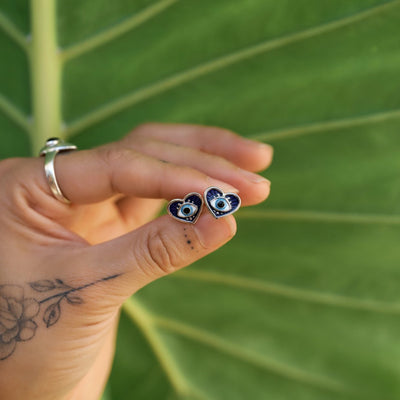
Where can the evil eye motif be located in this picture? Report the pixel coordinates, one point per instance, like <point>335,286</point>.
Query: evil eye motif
<point>221,204</point>
<point>187,209</point>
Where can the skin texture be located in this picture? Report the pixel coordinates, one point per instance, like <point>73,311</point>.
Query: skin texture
<point>105,246</point>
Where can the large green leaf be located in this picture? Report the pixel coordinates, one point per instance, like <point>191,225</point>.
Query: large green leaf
<point>304,303</point>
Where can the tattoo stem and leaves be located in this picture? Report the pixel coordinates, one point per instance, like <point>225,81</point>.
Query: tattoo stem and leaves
<point>18,312</point>
<point>53,311</point>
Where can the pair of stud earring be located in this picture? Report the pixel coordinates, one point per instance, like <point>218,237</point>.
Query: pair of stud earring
<point>189,208</point>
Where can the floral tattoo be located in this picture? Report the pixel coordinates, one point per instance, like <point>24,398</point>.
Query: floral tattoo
<point>19,314</point>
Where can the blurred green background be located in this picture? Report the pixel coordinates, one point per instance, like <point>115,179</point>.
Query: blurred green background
<point>304,303</point>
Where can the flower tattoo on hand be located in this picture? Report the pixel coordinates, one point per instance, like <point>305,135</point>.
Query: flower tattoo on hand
<point>17,312</point>
<point>16,318</point>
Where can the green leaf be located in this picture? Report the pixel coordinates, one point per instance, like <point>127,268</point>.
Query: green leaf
<point>304,302</point>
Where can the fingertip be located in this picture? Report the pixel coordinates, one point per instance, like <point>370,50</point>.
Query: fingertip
<point>263,192</point>
<point>265,153</point>
<point>255,156</point>
<point>268,154</point>
<point>255,194</point>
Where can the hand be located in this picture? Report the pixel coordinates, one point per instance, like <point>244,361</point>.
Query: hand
<point>66,269</point>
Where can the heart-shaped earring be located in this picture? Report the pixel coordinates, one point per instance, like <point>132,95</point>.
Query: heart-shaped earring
<point>187,209</point>
<point>221,204</point>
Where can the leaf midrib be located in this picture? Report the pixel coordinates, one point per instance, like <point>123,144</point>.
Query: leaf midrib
<point>137,96</point>
<point>46,62</point>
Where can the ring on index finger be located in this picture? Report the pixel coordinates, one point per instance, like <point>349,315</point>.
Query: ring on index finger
<point>49,151</point>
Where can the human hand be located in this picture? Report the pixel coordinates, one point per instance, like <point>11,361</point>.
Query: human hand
<point>66,269</point>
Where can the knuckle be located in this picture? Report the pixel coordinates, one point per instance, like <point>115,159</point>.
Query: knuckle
<point>160,255</point>
<point>112,154</point>
<point>113,159</point>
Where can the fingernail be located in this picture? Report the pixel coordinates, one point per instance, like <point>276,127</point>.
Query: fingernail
<point>211,232</point>
<point>225,187</point>
<point>255,178</point>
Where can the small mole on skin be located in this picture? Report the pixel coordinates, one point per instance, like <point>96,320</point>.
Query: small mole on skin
<point>189,241</point>
<point>192,248</point>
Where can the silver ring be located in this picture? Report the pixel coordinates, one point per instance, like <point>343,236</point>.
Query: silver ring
<point>49,151</point>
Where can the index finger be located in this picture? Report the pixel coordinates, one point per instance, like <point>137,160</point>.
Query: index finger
<point>91,176</point>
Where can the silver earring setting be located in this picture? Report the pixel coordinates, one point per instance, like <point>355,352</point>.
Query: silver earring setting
<point>189,208</point>
<point>221,204</point>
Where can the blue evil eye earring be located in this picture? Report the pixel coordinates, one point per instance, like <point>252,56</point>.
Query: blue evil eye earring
<point>187,209</point>
<point>221,204</point>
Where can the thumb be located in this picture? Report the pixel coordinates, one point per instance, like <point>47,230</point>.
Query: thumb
<point>154,250</point>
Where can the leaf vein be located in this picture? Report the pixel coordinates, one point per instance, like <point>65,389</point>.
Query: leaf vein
<point>15,115</point>
<point>324,126</point>
<point>115,31</point>
<point>145,322</point>
<point>319,216</point>
<point>248,356</point>
<point>7,26</point>
<point>304,295</point>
